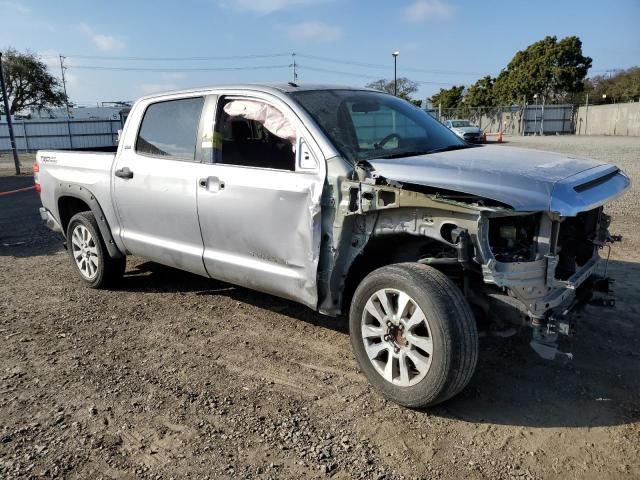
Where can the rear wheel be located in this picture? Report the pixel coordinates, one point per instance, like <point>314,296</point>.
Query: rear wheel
<point>89,253</point>
<point>413,334</point>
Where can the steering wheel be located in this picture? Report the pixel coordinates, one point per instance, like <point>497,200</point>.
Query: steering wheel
<point>384,141</point>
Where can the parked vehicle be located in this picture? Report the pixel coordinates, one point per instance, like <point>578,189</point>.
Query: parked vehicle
<point>349,201</point>
<point>465,130</point>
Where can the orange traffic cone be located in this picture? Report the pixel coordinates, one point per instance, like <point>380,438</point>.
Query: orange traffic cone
<point>500,136</point>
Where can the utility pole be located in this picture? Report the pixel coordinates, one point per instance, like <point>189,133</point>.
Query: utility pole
<point>5,100</point>
<point>395,76</point>
<point>64,85</point>
<point>524,113</point>
<point>535,118</point>
<point>544,99</point>
<point>586,114</point>
<point>66,101</point>
<point>295,73</point>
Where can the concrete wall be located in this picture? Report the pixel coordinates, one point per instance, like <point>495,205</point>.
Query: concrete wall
<point>616,119</point>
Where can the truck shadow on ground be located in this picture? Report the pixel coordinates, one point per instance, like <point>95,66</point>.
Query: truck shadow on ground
<point>153,277</point>
<point>512,385</point>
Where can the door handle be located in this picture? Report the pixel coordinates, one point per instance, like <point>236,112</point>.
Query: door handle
<point>211,184</point>
<point>124,173</point>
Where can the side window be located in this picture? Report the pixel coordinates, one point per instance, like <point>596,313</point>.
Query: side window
<point>169,129</point>
<point>254,134</point>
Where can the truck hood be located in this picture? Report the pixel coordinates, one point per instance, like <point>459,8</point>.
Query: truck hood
<point>526,180</point>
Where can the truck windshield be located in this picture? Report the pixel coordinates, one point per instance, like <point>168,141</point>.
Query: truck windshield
<point>364,125</point>
<point>460,123</point>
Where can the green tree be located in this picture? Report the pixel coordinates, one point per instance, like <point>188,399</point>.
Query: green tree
<point>29,84</point>
<point>448,98</point>
<point>623,86</point>
<point>481,94</point>
<point>551,68</point>
<point>406,87</point>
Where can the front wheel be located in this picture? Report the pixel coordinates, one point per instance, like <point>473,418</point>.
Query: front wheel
<point>413,334</point>
<point>89,253</point>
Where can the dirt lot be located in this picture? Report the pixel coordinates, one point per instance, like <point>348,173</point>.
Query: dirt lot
<point>175,376</point>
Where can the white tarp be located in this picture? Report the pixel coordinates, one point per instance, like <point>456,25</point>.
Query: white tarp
<point>270,117</point>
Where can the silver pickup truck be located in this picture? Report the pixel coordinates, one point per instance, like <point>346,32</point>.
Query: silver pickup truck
<point>349,201</point>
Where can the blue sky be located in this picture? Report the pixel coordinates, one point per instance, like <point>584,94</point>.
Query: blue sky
<point>452,41</point>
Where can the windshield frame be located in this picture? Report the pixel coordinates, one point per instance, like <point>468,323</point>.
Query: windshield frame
<point>421,117</point>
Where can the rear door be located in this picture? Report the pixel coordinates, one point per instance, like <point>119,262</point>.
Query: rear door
<point>155,182</point>
<point>259,202</point>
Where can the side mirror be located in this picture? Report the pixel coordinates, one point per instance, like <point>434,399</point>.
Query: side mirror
<point>306,159</point>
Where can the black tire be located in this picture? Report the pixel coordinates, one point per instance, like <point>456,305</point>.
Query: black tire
<point>453,333</point>
<point>109,270</point>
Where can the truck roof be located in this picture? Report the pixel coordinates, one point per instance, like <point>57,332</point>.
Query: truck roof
<point>263,87</point>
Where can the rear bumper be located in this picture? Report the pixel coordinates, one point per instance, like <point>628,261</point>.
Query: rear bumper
<point>49,220</point>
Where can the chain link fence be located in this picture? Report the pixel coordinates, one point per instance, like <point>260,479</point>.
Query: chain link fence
<point>61,134</point>
<point>515,119</point>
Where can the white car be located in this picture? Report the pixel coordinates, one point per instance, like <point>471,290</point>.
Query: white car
<point>465,130</point>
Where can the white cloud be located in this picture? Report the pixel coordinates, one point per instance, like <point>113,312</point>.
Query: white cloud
<point>317,31</point>
<point>424,10</point>
<point>51,59</point>
<point>71,79</point>
<point>266,6</point>
<point>148,88</point>
<point>14,6</point>
<point>104,43</point>
<point>172,76</point>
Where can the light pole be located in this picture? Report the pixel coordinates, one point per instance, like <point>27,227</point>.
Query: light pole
<point>395,78</point>
<point>535,117</point>
<point>604,97</point>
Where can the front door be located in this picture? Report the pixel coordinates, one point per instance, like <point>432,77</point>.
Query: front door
<point>259,203</point>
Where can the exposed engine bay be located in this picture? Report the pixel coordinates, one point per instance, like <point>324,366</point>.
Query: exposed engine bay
<point>512,239</point>
<point>516,268</point>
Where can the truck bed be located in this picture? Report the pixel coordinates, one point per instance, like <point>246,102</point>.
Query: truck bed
<point>90,171</point>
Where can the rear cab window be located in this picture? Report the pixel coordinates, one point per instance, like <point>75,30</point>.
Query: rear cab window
<point>170,128</point>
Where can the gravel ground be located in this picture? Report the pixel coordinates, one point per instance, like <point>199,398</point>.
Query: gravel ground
<point>174,376</point>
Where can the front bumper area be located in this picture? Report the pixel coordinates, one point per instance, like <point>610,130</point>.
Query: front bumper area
<point>533,278</point>
<point>545,292</point>
<point>473,137</point>
<point>49,220</point>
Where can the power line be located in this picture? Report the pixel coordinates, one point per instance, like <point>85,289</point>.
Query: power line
<point>176,69</point>
<point>379,65</point>
<point>363,75</point>
<point>276,55</point>
<point>295,65</point>
<point>269,55</point>
<point>175,59</point>
<point>223,69</point>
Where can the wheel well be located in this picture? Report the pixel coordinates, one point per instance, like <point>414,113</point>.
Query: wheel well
<point>397,248</point>
<point>68,207</point>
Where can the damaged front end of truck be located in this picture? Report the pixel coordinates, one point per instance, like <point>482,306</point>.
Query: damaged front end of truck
<point>521,260</point>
